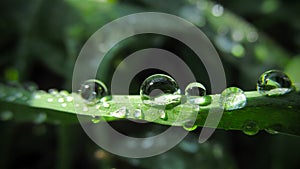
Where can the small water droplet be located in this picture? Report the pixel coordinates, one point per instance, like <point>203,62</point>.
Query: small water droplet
<point>64,105</point>
<point>250,128</point>
<point>92,91</point>
<point>64,93</point>
<point>30,86</point>
<point>195,89</point>
<point>53,92</point>
<point>6,115</point>
<point>160,90</point>
<point>40,118</point>
<point>50,100</point>
<point>217,10</point>
<point>274,83</point>
<point>274,129</point>
<point>189,125</point>
<point>96,119</point>
<point>233,98</point>
<point>61,100</point>
<point>69,98</point>
<point>121,113</point>
<point>85,109</point>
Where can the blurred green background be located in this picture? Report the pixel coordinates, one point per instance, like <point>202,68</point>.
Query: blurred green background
<point>41,39</point>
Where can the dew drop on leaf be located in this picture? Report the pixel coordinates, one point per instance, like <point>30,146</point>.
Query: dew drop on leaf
<point>92,91</point>
<point>250,128</point>
<point>274,83</point>
<point>163,115</point>
<point>195,89</point>
<point>138,114</point>
<point>233,98</point>
<point>160,90</point>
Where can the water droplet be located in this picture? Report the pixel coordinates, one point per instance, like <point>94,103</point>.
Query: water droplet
<point>233,98</point>
<point>61,100</point>
<point>69,98</point>
<point>160,90</point>
<point>19,95</point>
<point>64,93</point>
<point>121,113</point>
<point>64,105</point>
<point>53,92</point>
<point>6,115</point>
<point>274,83</point>
<point>96,119</point>
<point>250,128</point>
<point>195,89</point>
<point>92,91</point>
<point>189,125</point>
<point>85,109</point>
<point>29,86</point>
<point>274,129</point>
<point>50,100</point>
<point>217,10</point>
<point>40,118</point>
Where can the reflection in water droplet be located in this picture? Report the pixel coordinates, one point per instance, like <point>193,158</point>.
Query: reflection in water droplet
<point>92,91</point>
<point>189,125</point>
<point>163,115</point>
<point>233,98</point>
<point>217,10</point>
<point>6,115</point>
<point>96,119</point>
<point>121,113</point>
<point>274,83</point>
<point>138,114</point>
<point>160,90</point>
<point>250,127</point>
<point>195,89</point>
<point>40,118</point>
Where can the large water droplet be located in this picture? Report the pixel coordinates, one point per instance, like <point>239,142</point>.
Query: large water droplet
<point>250,128</point>
<point>195,89</point>
<point>92,91</point>
<point>273,83</point>
<point>160,90</point>
<point>233,98</point>
<point>189,125</point>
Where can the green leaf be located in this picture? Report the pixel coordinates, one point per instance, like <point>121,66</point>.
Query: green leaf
<point>281,113</point>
